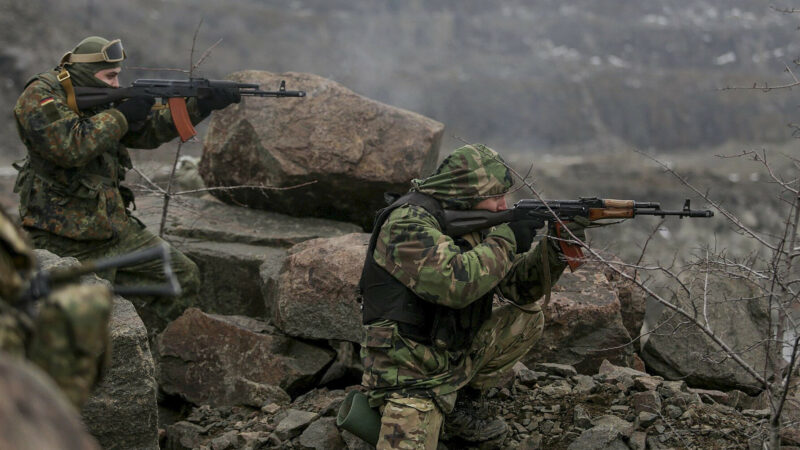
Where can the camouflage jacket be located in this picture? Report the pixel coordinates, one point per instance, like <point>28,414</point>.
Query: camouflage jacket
<point>413,249</point>
<point>16,259</point>
<point>69,184</point>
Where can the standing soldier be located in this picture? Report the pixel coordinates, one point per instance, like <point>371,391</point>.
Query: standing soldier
<point>68,335</point>
<point>433,342</point>
<point>72,201</point>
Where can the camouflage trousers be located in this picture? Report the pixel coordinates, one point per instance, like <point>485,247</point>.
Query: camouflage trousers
<point>416,422</point>
<point>68,337</point>
<point>156,312</point>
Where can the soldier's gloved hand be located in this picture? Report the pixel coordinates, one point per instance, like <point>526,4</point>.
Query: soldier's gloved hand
<point>135,109</point>
<point>218,98</point>
<point>577,226</point>
<point>524,232</point>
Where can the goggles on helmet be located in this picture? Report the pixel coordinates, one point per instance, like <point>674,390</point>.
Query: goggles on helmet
<point>111,52</point>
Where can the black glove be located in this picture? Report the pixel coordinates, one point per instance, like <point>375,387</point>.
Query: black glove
<point>218,98</point>
<point>524,232</point>
<point>135,109</point>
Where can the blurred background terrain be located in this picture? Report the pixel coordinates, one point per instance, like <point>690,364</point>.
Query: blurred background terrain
<point>569,89</point>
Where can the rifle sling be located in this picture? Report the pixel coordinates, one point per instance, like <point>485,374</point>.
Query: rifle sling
<point>66,83</point>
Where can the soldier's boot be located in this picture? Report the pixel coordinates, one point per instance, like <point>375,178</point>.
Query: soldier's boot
<point>472,423</point>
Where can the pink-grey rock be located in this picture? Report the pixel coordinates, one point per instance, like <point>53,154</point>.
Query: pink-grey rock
<point>293,423</point>
<point>212,220</point>
<point>123,409</point>
<point>225,361</point>
<point>316,291</point>
<point>647,401</point>
<point>353,148</point>
<point>322,434</point>
<point>632,298</point>
<point>583,326</point>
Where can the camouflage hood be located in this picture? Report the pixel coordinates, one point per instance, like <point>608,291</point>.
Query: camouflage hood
<point>470,174</point>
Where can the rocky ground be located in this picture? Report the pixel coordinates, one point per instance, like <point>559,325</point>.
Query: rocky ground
<point>549,407</point>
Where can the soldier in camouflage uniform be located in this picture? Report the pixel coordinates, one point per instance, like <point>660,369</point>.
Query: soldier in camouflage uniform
<point>68,336</point>
<point>72,201</point>
<point>433,341</point>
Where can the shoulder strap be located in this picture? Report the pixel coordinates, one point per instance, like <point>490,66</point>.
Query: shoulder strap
<point>428,203</point>
<point>424,201</point>
<point>66,83</point>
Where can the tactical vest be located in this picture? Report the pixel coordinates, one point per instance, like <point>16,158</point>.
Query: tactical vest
<point>384,297</point>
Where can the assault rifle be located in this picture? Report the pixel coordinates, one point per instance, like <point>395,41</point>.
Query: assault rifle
<point>174,94</point>
<point>45,281</point>
<point>538,212</point>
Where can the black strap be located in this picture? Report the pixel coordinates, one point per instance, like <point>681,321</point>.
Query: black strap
<point>430,204</point>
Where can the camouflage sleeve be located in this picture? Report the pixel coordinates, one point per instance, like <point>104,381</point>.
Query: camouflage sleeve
<point>411,247</point>
<point>524,283</point>
<point>57,134</point>
<point>160,128</point>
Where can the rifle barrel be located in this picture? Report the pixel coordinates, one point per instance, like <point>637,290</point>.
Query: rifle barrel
<point>679,213</point>
<point>273,93</point>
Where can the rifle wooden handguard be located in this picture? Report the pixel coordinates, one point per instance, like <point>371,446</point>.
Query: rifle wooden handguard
<point>610,213</point>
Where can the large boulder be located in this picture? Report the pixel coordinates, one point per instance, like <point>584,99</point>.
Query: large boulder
<point>584,325</point>
<point>215,221</point>
<point>736,311</point>
<point>34,414</point>
<point>230,275</point>
<point>233,247</point>
<point>123,411</point>
<point>353,148</point>
<point>316,292</point>
<point>230,360</point>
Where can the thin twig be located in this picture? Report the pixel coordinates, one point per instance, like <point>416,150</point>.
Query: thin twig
<point>732,218</point>
<point>233,188</point>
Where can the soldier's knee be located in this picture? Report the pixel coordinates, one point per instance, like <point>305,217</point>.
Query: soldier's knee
<point>533,325</point>
<point>410,423</point>
<point>186,270</point>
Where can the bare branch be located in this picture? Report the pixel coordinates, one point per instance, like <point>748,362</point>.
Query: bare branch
<point>159,69</point>
<point>258,186</point>
<point>765,87</point>
<point>787,382</point>
<point>206,54</point>
<point>724,346</point>
<point>731,217</point>
<point>784,10</point>
<point>705,295</point>
<point>150,182</point>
